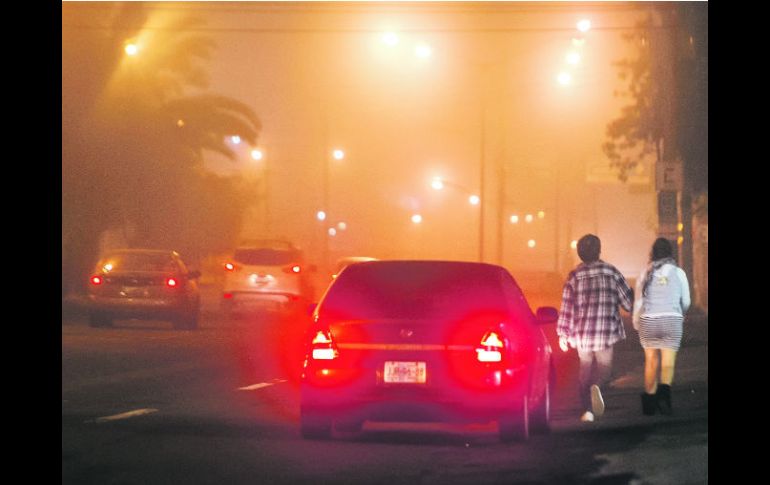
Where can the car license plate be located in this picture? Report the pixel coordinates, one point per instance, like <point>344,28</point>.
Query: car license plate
<point>405,372</point>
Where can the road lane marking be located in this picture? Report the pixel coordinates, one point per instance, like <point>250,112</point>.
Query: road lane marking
<point>261,385</point>
<point>129,414</point>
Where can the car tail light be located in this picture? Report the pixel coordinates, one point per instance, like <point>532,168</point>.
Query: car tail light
<point>491,348</point>
<point>294,268</point>
<point>96,280</point>
<point>323,346</point>
<point>229,266</point>
<point>171,282</point>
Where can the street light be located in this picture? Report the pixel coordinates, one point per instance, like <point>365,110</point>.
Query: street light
<point>131,49</point>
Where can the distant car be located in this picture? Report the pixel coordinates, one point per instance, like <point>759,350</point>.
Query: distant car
<point>348,260</point>
<point>267,275</point>
<point>426,341</point>
<point>144,284</point>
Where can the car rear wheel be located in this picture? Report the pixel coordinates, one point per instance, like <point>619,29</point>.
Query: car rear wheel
<point>514,426</point>
<point>541,417</point>
<point>315,425</point>
<point>99,320</point>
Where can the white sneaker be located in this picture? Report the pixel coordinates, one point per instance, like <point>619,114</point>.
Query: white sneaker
<point>587,417</point>
<point>597,401</point>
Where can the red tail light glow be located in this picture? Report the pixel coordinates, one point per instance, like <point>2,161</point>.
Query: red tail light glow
<point>491,346</point>
<point>295,268</point>
<point>323,347</point>
<point>96,280</point>
<point>171,282</point>
<point>229,267</point>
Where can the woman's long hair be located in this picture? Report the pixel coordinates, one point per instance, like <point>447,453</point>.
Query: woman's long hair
<point>662,253</point>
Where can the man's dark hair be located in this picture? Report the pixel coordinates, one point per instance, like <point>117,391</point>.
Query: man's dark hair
<point>588,248</point>
<point>661,248</point>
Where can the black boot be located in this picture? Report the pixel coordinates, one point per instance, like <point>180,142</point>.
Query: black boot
<point>664,399</point>
<point>649,406</point>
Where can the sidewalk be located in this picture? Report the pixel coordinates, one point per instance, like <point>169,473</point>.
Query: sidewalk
<point>691,361</point>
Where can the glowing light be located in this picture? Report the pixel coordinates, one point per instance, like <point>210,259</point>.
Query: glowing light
<point>107,267</point>
<point>390,38</point>
<point>531,243</point>
<point>474,199</point>
<point>416,218</point>
<point>257,154</point>
<point>235,139</point>
<point>573,58</point>
<point>131,49</point>
<point>514,219</point>
<point>423,51</point>
<point>332,232</point>
<point>680,240</point>
<point>541,214</point>
<point>342,226</point>
<point>437,183</point>
<point>229,266</point>
<point>97,280</point>
<point>584,25</point>
<point>573,244</point>
<point>528,218</point>
<point>180,123</point>
<point>338,154</point>
<point>679,227</point>
<point>171,282</point>
<point>564,78</point>
<point>320,215</point>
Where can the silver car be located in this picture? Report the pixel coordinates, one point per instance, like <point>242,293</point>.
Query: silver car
<point>146,284</point>
<point>267,275</point>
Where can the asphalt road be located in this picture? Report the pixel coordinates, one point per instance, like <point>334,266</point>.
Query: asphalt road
<point>145,404</point>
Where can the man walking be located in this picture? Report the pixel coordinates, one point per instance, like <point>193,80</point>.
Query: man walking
<point>590,320</point>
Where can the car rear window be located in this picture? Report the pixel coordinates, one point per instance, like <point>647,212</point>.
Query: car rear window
<point>265,256</point>
<point>138,262</point>
<point>414,290</point>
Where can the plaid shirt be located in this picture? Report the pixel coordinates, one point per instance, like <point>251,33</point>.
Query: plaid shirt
<point>589,316</point>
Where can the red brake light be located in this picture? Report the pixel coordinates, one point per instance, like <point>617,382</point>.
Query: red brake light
<point>491,346</point>
<point>323,347</point>
<point>295,268</point>
<point>96,280</point>
<point>171,282</point>
<point>229,267</point>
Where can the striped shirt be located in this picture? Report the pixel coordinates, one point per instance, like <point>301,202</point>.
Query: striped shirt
<point>590,317</point>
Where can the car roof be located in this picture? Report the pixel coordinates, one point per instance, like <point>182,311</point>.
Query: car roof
<point>354,259</point>
<point>168,252</point>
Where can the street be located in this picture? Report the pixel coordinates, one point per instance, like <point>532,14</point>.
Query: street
<point>143,403</point>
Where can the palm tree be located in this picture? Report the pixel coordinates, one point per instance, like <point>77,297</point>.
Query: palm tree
<point>133,138</point>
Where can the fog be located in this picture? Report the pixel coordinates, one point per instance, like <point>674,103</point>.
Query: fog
<point>482,106</point>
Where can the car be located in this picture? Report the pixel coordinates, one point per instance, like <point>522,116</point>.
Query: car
<point>267,275</point>
<point>422,340</point>
<point>150,284</point>
<point>341,263</point>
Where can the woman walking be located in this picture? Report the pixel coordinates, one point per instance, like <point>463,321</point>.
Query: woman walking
<point>662,299</point>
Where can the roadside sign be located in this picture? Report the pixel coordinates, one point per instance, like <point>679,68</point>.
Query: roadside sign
<point>668,176</point>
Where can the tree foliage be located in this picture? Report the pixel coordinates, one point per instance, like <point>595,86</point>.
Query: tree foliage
<point>135,131</point>
<point>638,132</point>
<point>667,115</point>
